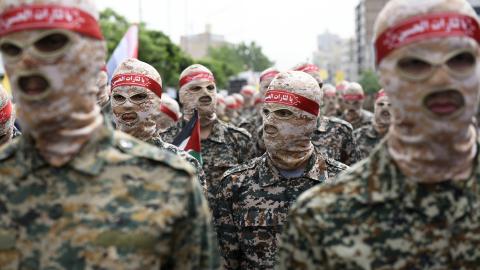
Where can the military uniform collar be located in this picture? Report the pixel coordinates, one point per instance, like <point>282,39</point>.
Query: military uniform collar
<point>386,182</point>
<point>316,170</point>
<point>86,161</point>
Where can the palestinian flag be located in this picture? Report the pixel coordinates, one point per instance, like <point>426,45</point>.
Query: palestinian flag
<point>189,138</point>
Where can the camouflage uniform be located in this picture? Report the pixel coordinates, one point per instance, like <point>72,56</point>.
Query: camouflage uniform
<point>251,206</point>
<point>373,217</point>
<point>365,119</point>
<point>334,139</point>
<point>175,150</point>
<point>119,204</point>
<point>367,138</point>
<point>226,147</point>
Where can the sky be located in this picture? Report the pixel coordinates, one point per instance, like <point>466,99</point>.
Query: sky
<point>286,30</point>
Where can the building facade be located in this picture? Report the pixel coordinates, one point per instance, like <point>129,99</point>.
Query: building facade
<point>197,45</point>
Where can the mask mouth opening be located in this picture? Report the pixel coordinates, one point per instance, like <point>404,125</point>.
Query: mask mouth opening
<point>385,114</point>
<point>445,103</point>
<point>205,100</point>
<point>34,86</point>
<point>129,118</point>
<point>270,129</point>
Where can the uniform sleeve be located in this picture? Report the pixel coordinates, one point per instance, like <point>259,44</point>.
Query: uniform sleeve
<point>295,249</point>
<point>194,243</point>
<point>351,154</point>
<point>224,224</point>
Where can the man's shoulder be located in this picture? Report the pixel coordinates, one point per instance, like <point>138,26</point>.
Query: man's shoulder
<point>245,169</point>
<point>335,167</point>
<point>234,130</point>
<point>340,123</point>
<point>361,131</point>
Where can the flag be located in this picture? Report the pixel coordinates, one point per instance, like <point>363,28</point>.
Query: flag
<point>6,84</point>
<point>189,138</point>
<point>127,48</point>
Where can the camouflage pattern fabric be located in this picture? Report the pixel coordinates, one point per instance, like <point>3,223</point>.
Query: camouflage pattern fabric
<point>16,132</point>
<point>226,147</point>
<point>366,138</point>
<point>254,125</point>
<point>374,217</point>
<point>119,204</point>
<point>334,139</point>
<point>364,119</point>
<point>251,204</point>
<point>157,141</point>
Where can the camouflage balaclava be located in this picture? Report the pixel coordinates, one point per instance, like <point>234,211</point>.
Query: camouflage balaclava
<point>136,93</point>
<point>427,55</point>
<point>103,95</point>
<point>311,70</point>
<point>340,88</point>
<point>198,91</point>
<point>248,93</point>
<point>221,106</point>
<point>53,51</point>
<point>353,98</point>
<point>382,117</point>
<point>169,113</point>
<point>290,112</point>
<point>266,78</point>
<point>231,107</point>
<point>7,117</point>
<point>330,105</point>
<point>239,100</point>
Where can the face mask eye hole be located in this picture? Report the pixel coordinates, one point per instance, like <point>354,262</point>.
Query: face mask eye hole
<point>52,42</point>
<point>211,87</point>
<point>283,113</point>
<point>381,104</point>
<point>265,112</point>
<point>119,98</point>
<point>462,62</point>
<point>414,66</point>
<point>196,88</point>
<point>139,97</point>
<point>10,49</point>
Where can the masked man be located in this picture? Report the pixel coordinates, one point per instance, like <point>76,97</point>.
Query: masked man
<point>169,114</point>
<point>330,104</point>
<point>352,99</point>
<point>75,194</point>
<point>414,203</point>
<point>248,93</point>
<point>367,137</point>
<point>223,145</point>
<point>252,201</point>
<point>7,119</point>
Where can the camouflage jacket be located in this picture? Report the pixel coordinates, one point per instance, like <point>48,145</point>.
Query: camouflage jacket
<point>251,204</point>
<point>364,119</point>
<point>374,217</point>
<point>226,147</point>
<point>367,138</point>
<point>254,125</point>
<point>119,204</point>
<point>334,139</point>
<point>157,141</point>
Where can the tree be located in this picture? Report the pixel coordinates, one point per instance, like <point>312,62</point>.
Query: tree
<point>369,82</point>
<point>155,48</point>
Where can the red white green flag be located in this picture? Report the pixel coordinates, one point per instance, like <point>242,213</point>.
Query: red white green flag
<point>189,138</point>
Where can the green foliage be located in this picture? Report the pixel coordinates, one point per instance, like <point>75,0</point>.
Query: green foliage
<point>155,47</point>
<point>369,82</point>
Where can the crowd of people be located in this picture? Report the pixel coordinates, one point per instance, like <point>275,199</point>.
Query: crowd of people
<point>294,175</point>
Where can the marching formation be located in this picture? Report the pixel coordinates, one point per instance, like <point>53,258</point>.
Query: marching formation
<point>104,174</point>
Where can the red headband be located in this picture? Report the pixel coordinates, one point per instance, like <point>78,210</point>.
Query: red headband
<point>232,106</point>
<point>196,76</point>
<point>169,112</point>
<point>380,94</point>
<point>353,97</point>
<point>33,17</point>
<point>6,112</point>
<point>141,80</point>
<point>447,24</point>
<point>268,75</point>
<point>293,100</point>
<point>247,91</point>
<point>308,68</point>
<point>330,94</point>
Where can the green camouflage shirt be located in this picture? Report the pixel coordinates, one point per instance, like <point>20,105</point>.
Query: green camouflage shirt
<point>334,139</point>
<point>367,138</point>
<point>373,217</point>
<point>157,141</point>
<point>119,204</point>
<point>251,204</point>
<point>226,147</point>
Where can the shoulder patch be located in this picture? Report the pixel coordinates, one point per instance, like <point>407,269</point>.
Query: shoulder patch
<point>242,167</point>
<point>7,150</point>
<point>340,121</point>
<point>137,148</point>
